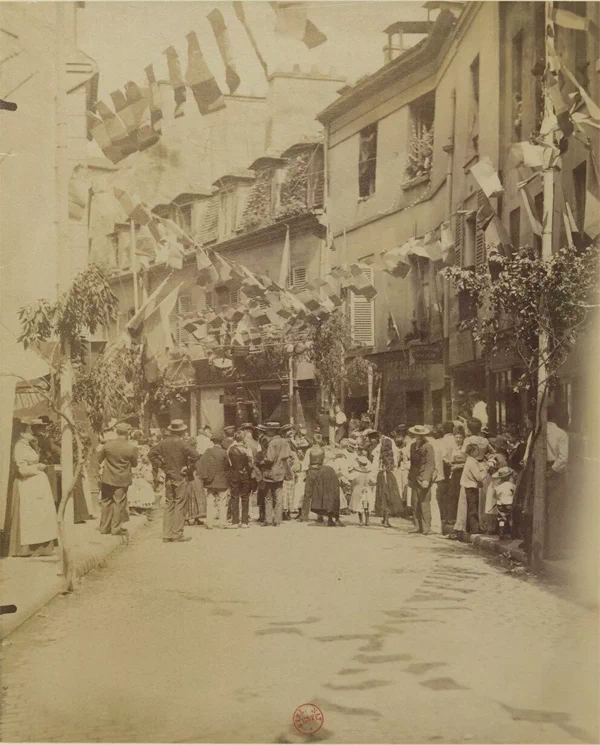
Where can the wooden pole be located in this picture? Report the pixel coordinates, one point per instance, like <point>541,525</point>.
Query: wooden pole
<point>136,299</point>
<point>291,387</point>
<point>538,537</point>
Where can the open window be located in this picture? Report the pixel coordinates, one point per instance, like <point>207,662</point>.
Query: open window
<point>367,161</point>
<point>420,151</point>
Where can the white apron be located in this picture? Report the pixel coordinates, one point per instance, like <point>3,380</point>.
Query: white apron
<point>38,523</point>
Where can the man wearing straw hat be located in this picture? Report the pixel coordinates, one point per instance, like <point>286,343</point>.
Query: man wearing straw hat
<point>173,454</point>
<point>421,475</point>
<point>119,457</point>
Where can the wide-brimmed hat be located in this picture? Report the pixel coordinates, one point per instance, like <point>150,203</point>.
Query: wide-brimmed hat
<point>261,428</point>
<point>177,425</point>
<point>420,430</point>
<point>272,426</point>
<point>122,428</point>
<point>363,461</point>
<point>30,421</point>
<point>286,428</point>
<point>229,429</point>
<point>502,473</point>
<point>370,432</point>
<point>247,425</point>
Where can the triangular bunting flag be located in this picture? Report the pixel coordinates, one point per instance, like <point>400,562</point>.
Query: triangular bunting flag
<point>216,20</point>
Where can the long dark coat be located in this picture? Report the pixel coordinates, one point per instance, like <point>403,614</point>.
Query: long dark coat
<point>326,492</point>
<point>387,495</point>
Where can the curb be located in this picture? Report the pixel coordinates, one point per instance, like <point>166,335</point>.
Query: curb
<point>12,622</point>
<point>494,545</point>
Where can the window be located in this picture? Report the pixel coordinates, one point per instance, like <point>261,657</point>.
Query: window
<point>422,112</point>
<point>469,253</point>
<point>517,85</point>
<point>362,316</point>
<point>467,308</point>
<point>315,179</point>
<point>480,254</point>
<point>183,307</point>
<point>367,161</point>
<point>227,213</point>
<point>579,180</point>
<point>297,278</point>
<point>515,227</point>
<point>458,239</point>
<point>220,297</point>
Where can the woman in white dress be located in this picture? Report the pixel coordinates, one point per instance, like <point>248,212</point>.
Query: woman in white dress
<point>33,525</point>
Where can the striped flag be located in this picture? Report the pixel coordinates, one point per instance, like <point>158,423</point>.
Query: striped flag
<point>292,21</point>
<point>176,80</point>
<point>201,80</point>
<point>133,208</point>
<point>156,114</point>
<point>167,286</point>
<point>216,20</point>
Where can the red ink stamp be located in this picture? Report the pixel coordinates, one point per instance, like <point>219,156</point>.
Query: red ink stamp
<point>308,719</point>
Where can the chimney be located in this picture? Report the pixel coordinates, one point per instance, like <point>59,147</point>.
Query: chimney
<point>395,37</point>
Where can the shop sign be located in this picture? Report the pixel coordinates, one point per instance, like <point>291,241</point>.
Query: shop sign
<point>426,354</point>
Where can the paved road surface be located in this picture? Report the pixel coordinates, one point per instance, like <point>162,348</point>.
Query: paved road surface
<point>398,638</point>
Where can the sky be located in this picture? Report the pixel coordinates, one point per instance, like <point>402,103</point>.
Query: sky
<point>124,37</point>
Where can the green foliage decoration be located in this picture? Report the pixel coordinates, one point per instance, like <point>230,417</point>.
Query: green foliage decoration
<point>420,154</point>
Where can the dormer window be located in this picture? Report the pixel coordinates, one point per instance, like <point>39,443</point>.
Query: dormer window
<point>367,161</point>
<point>227,212</point>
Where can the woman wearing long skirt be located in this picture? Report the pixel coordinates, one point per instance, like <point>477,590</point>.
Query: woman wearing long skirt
<point>362,500</point>
<point>326,494</point>
<point>33,527</point>
<point>313,462</point>
<point>388,501</point>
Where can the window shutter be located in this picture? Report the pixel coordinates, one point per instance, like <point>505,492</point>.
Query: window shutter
<point>458,239</point>
<point>297,278</point>
<point>480,235</point>
<point>362,316</point>
<point>209,300</point>
<point>184,305</point>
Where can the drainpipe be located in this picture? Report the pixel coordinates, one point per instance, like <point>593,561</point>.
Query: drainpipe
<point>449,150</point>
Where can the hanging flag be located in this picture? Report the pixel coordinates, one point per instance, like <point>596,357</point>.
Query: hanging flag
<point>527,154</point>
<point>485,213</point>
<point>156,333</point>
<point>166,287</point>
<point>202,259</point>
<point>116,129</point>
<point>536,226</point>
<point>284,269</point>
<point>592,106</point>
<point>591,220</point>
<point>487,177</point>
<point>447,242</point>
<point>241,15</point>
<point>78,193</point>
<point>156,114</point>
<point>216,20</point>
<point>176,80</point>
<point>571,219</point>
<point>140,101</point>
<point>99,133</point>
<point>201,80</point>
<point>560,104</point>
<point>396,260</point>
<point>133,208</point>
<point>497,238</point>
<point>433,246</point>
<point>359,283</point>
<point>292,21</point>
<point>567,19</point>
<point>145,251</point>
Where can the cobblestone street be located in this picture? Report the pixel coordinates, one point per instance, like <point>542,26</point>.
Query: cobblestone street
<point>396,637</point>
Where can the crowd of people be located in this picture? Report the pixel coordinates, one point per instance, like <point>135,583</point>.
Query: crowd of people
<point>451,478</point>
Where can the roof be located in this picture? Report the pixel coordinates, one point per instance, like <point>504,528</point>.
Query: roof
<point>191,196</point>
<point>266,161</point>
<point>411,60</point>
<point>237,174</point>
<point>409,27</point>
<point>299,146</point>
<point>441,4</point>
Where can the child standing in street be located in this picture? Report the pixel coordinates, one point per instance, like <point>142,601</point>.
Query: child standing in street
<point>470,484</point>
<point>362,500</point>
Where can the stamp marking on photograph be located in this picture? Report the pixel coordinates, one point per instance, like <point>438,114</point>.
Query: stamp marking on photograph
<point>308,719</point>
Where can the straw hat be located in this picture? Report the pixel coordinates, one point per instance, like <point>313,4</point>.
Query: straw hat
<point>177,425</point>
<point>502,473</point>
<point>420,430</point>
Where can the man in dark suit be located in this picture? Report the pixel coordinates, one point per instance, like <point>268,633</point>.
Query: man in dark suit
<point>173,454</point>
<point>421,475</point>
<point>119,457</point>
